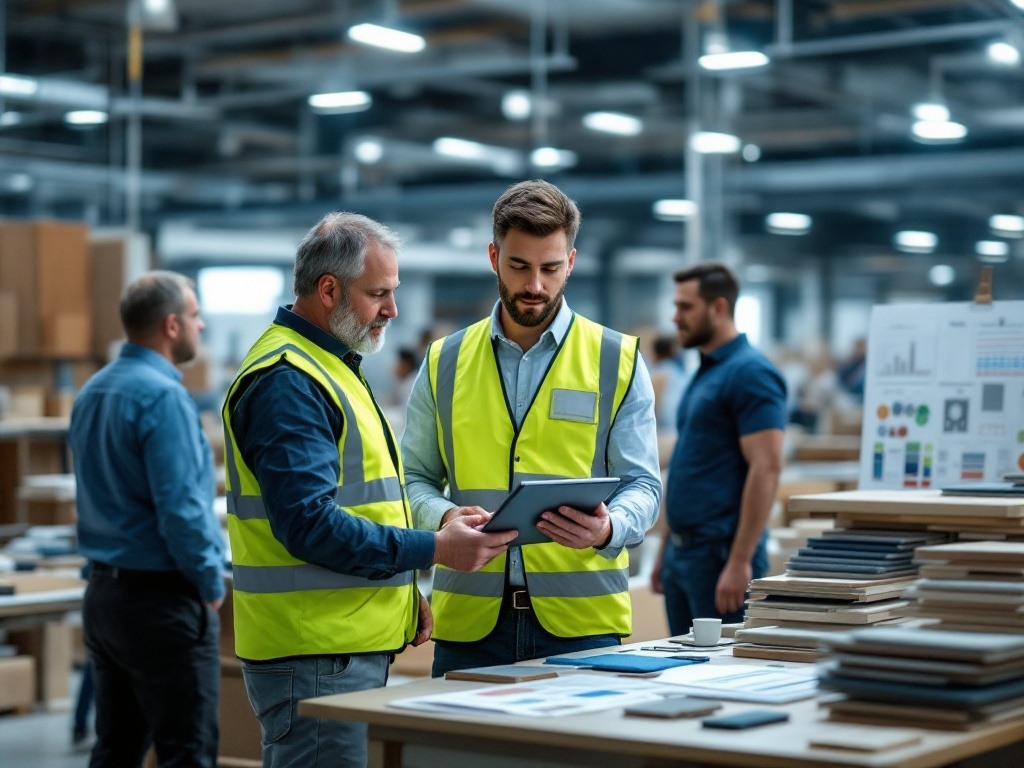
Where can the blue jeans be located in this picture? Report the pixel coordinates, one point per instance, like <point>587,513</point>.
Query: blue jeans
<point>689,575</point>
<point>517,636</point>
<point>275,689</point>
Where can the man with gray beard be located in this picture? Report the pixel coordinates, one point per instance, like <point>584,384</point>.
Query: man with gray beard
<point>324,552</point>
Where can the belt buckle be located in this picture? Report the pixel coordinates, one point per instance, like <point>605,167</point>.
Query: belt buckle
<point>521,600</point>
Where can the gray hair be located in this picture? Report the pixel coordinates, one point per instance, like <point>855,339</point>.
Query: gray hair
<point>147,301</point>
<point>337,245</point>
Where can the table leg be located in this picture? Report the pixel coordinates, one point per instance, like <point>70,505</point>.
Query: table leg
<point>382,753</point>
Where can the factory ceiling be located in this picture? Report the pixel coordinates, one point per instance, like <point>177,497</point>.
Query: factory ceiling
<point>203,119</point>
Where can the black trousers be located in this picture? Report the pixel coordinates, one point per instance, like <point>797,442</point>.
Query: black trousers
<point>154,647</point>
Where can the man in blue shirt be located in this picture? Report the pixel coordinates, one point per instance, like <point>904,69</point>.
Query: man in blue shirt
<point>145,522</point>
<point>727,460</point>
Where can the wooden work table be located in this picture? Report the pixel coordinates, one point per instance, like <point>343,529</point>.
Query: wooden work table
<point>610,739</point>
<point>40,607</point>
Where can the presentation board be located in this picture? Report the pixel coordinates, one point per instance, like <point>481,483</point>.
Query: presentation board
<point>944,395</point>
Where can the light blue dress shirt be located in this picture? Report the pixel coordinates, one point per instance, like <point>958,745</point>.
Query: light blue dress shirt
<point>632,447</point>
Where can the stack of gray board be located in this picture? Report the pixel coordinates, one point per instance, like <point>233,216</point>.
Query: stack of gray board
<point>787,617</point>
<point>941,679</point>
<point>860,553</point>
<point>972,586</point>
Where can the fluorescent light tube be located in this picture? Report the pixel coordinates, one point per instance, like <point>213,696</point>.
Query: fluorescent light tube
<point>386,37</point>
<point>733,60</point>
<point>617,123</point>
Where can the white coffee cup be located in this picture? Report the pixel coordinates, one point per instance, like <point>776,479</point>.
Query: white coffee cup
<point>707,631</point>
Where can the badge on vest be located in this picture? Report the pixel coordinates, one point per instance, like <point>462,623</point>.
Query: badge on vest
<point>574,405</point>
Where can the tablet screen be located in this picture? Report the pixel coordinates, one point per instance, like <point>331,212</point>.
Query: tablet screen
<point>522,508</point>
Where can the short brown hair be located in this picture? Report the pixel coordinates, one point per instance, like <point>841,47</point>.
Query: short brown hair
<point>537,208</point>
<point>149,299</point>
<point>714,281</point>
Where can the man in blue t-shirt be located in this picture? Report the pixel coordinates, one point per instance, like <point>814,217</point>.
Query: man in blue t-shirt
<point>725,467</point>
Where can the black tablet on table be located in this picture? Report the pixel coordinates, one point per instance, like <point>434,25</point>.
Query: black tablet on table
<point>521,509</point>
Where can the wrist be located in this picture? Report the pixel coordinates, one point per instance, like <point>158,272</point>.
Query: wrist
<point>446,518</point>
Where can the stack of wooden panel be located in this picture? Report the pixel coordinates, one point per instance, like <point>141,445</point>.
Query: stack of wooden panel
<point>789,616</point>
<point>977,517</point>
<point>939,679</point>
<point>973,585</point>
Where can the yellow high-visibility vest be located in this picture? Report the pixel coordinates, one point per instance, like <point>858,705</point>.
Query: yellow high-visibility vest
<point>284,606</point>
<point>564,434</point>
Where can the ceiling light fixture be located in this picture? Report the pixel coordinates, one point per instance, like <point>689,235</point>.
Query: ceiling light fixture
<point>751,153</point>
<point>934,111</point>
<point>10,118</point>
<point>85,117</point>
<point>159,15</point>
<point>20,182</point>
<point>552,157</point>
<point>369,151</point>
<point>725,60</point>
<point>938,132</point>
<point>16,85</point>
<point>941,275</point>
<point>386,37</point>
<point>500,159</point>
<point>618,123</point>
<point>1018,3</point>
<point>1003,53</point>
<point>1007,225</point>
<point>674,209</point>
<point>340,102</point>
<point>992,251</point>
<point>516,105</point>
<point>916,241</point>
<point>712,143</point>
<point>788,223</point>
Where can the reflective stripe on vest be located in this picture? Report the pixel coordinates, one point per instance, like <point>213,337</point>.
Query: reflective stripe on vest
<point>284,606</point>
<point>575,593</point>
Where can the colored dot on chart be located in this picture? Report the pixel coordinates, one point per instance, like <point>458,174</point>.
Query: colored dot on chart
<point>883,412</point>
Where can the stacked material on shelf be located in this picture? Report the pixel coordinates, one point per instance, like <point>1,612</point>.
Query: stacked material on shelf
<point>859,553</point>
<point>992,517</point>
<point>787,616</point>
<point>973,586</point>
<point>941,679</point>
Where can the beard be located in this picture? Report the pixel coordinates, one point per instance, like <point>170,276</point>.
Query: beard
<point>699,336</point>
<point>532,317</point>
<point>349,330</point>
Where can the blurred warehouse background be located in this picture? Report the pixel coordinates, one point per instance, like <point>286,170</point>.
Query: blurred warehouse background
<point>838,153</point>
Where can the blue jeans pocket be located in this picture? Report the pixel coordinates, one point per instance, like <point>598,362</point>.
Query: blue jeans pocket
<point>270,692</point>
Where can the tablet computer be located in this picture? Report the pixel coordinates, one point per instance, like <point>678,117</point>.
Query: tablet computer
<point>522,508</point>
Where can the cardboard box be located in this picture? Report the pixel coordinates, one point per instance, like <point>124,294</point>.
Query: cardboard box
<point>66,334</point>
<point>46,511</point>
<point>27,402</point>
<point>59,404</point>
<point>17,684</point>
<point>62,267</point>
<point>8,325</point>
<point>197,374</point>
<point>18,276</point>
<point>116,258</point>
<point>46,265</point>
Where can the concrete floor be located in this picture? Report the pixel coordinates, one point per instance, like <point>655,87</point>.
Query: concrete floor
<point>41,740</point>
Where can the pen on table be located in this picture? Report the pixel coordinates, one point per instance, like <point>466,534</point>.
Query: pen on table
<point>655,648</point>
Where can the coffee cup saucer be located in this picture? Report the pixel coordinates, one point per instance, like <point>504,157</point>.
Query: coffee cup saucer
<point>688,640</point>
